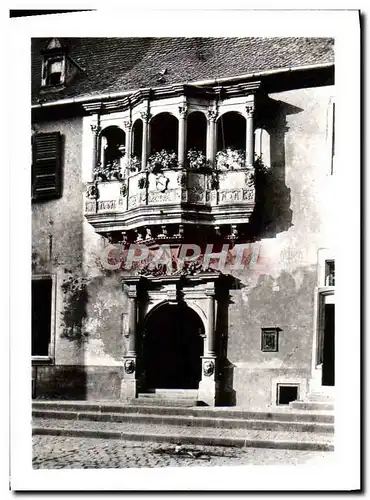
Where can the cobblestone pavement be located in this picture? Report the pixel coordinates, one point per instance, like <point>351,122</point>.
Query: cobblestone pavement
<point>61,452</point>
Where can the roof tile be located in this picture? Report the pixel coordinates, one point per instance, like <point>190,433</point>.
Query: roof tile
<point>120,64</point>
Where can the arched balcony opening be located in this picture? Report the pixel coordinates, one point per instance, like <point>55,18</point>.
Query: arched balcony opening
<point>197,131</point>
<point>137,138</point>
<point>112,150</point>
<point>196,138</point>
<point>163,133</point>
<point>231,140</point>
<point>262,146</point>
<point>163,142</point>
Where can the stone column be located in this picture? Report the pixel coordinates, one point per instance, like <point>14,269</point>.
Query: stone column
<point>128,128</point>
<point>208,386</point>
<point>132,320</point>
<point>249,140</point>
<point>95,156</point>
<point>210,323</point>
<point>103,144</point>
<point>129,381</point>
<point>182,135</point>
<point>145,141</point>
<point>211,135</point>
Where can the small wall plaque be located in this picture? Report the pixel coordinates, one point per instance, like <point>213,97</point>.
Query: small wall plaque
<point>270,339</point>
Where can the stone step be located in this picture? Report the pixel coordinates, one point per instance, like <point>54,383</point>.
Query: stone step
<point>172,393</point>
<point>185,435</point>
<point>190,421</point>
<point>148,399</point>
<point>312,405</point>
<point>284,414</point>
<point>321,397</point>
<point>167,396</point>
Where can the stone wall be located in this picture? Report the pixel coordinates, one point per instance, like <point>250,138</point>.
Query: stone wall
<point>291,222</point>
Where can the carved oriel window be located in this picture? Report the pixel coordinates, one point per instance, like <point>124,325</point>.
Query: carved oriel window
<point>270,339</point>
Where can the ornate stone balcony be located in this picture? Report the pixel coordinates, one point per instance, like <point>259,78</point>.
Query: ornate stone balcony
<point>146,205</point>
<point>180,161</point>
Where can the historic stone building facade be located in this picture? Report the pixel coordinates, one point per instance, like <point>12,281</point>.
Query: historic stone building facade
<point>181,219</point>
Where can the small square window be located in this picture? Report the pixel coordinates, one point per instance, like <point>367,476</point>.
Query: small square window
<point>270,339</point>
<point>286,393</point>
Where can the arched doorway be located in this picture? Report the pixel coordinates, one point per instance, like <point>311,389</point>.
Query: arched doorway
<point>172,349</point>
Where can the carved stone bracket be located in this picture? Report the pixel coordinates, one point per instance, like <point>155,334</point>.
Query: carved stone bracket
<point>127,124</point>
<point>131,291</point>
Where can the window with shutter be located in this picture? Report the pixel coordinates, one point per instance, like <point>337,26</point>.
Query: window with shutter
<point>46,166</point>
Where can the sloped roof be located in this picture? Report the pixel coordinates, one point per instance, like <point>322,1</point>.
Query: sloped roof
<point>121,64</point>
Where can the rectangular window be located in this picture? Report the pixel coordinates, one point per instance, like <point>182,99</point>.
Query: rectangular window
<point>46,166</point>
<point>41,307</point>
<point>270,339</point>
<point>286,393</point>
<point>329,273</point>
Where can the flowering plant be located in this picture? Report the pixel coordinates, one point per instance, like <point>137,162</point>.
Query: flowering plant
<point>132,163</point>
<point>160,160</point>
<point>108,171</point>
<point>196,159</point>
<point>230,159</point>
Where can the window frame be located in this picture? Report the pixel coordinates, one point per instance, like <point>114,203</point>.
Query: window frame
<point>47,63</point>
<point>322,294</point>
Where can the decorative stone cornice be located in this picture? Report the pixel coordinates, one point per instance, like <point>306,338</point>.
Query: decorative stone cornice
<point>121,104</point>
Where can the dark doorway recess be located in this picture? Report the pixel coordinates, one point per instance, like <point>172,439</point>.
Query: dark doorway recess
<point>173,346</point>
<point>41,316</point>
<point>328,365</point>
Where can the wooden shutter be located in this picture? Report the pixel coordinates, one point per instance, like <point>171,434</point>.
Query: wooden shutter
<point>46,166</point>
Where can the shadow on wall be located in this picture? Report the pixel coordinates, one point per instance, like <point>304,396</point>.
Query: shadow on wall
<point>286,302</point>
<point>272,213</point>
<point>227,394</point>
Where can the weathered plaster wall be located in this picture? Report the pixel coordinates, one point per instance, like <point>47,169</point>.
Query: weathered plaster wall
<point>88,331</point>
<point>279,292</point>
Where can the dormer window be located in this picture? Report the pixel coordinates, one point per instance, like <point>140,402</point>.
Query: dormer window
<point>54,64</point>
<point>58,67</point>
